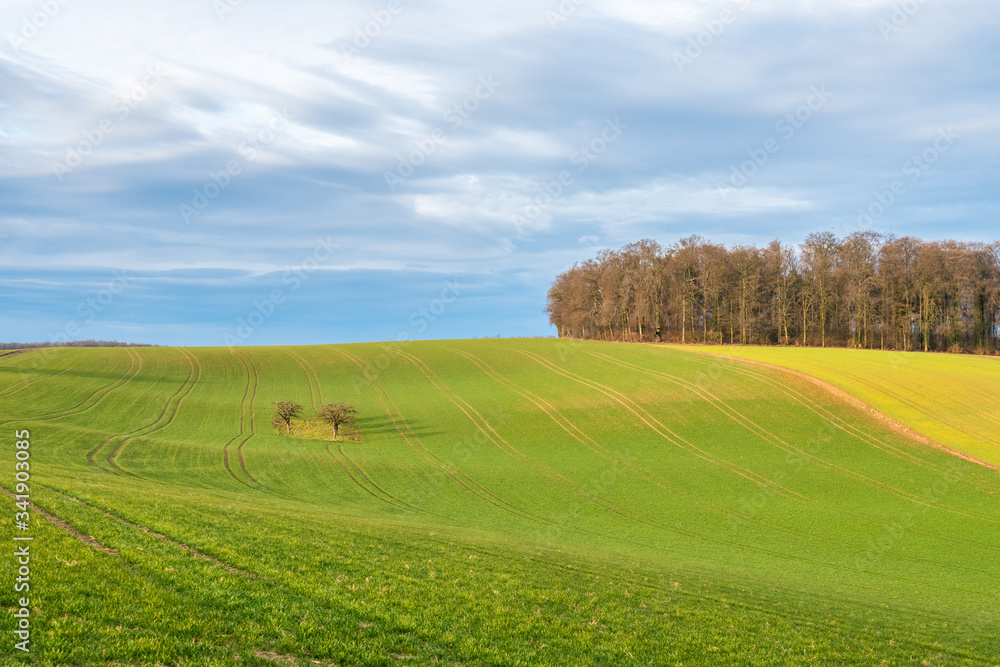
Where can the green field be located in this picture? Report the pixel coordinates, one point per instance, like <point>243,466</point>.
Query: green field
<point>509,502</point>
<point>954,400</point>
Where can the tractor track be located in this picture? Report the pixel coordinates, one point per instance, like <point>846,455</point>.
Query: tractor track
<point>359,473</point>
<point>156,424</point>
<point>118,382</point>
<point>667,434</point>
<point>194,552</point>
<point>250,421</point>
<point>850,398</point>
<point>21,385</point>
<point>421,450</point>
<point>644,473</point>
<point>65,526</point>
<point>311,377</point>
<point>769,437</point>
<point>845,426</point>
<point>535,466</point>
<point>243,400</point>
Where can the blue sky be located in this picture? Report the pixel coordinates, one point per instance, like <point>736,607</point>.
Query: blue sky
<point>209,172</point>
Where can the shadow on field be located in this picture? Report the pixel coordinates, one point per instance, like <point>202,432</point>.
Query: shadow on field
<point>382,425</point>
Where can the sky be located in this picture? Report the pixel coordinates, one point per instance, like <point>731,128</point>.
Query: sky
<point>240,172</point>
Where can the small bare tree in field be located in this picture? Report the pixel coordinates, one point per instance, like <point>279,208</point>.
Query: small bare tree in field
<point>337,415</point>
<point>284,411</point>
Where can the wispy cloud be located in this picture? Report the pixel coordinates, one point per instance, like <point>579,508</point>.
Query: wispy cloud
<point>145,105</point>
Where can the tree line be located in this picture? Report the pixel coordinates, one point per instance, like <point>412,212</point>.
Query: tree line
<point>73,343</point>
<point>867,290</point>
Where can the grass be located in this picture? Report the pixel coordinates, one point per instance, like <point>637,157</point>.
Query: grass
<point>513,502</point>
<point>950,399</point>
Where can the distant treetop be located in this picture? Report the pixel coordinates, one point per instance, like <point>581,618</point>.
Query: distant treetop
<point>74,343</point>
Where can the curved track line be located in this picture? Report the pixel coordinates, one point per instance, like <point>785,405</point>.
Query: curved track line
<point>717,361</point>
<point>743,546</point>
<point>421,450</point>
<point>311,377</point>
<point>243,400</point>
<point>65,526</point>
<point>194,552</point>
<point>839,423</point>
<point>359,474</point>
<point>529,462</point>
<point>20,386</point>
<point>384,497</point>
<point>250,421</point>
<point>666,433</point>
<point>767,436</point>
<point>172,407</point>
<point>120,381</point>
<point>374,489</point>
<point>827,386</point>
<point>644,473</point>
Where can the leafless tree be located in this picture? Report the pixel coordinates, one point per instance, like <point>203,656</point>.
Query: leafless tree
<point>865,290</point>
<point>338,415</point>
<point>284,412</point>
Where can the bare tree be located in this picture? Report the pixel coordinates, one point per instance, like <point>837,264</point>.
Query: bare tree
<point>337,415</point>
<point>284,412</point>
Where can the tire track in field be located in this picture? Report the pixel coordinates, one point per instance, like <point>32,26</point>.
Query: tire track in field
<point>715,361</point>
<point>118,382</point>
<point>858,433</point>
<point>65,526</point>
<point>740,366</point>
<point>311,377</point>
<point>165,418</point>
<point>374,489</point>
<point>665,484</point>
<point>378,492</point>
<point>942,417</point>
<point>657,427</point>
<point>771,553</point>
<point>414,443</point>
<point>843,425</point>
<point>21,385</point>
<point>769,437</point>
<point>250,421</point>
<point>635,584</point>
<point>243,400</point>
<point>194,552</point>
<point>703,538</point>
<point>529,462</point>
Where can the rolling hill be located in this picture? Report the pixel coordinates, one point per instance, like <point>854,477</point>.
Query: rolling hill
<point>508,502</point>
